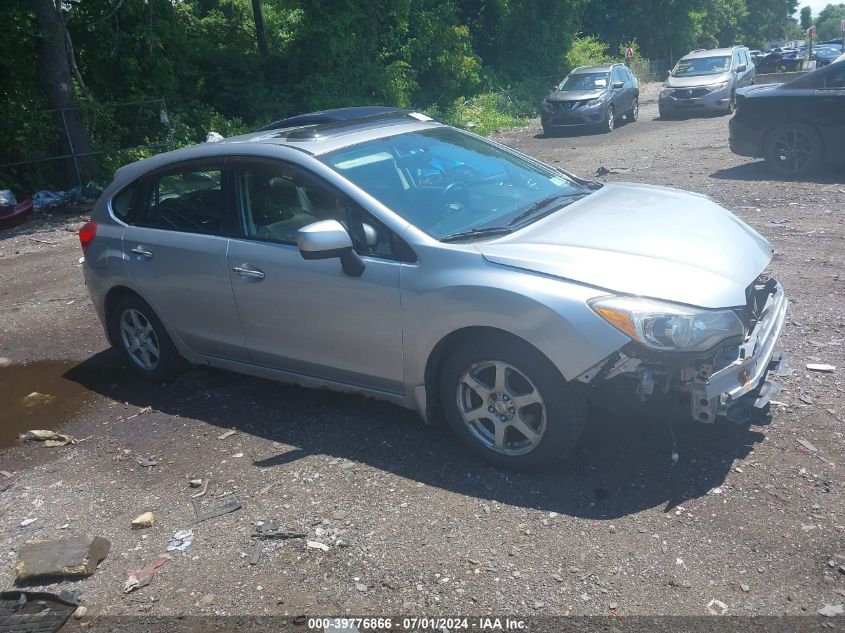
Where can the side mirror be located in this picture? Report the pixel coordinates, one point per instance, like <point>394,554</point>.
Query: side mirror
<point>616,85</point>
<point>327,240</point>
<point>741,68</point>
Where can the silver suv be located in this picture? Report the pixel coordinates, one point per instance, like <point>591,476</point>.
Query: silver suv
<point>401,258</point>
<point>706,81</point>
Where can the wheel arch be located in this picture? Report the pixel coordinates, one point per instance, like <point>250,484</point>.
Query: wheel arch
<point>440,353</point>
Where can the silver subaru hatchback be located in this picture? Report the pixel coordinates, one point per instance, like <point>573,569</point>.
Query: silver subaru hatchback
<point>395,256</point>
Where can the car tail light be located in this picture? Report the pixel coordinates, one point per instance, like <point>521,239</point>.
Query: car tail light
<point>87,234</point>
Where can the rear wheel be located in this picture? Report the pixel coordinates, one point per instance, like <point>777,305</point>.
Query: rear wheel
<point>508,403</point>
<point>144,341</point>
<point>793,150</point>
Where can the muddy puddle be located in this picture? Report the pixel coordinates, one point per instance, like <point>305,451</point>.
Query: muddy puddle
<point>37,396</point>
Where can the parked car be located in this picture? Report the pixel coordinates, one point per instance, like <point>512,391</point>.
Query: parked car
<point>404,259</point>
<point>706,81</point>
<point>827,54</point>
<point>592,97</point>
<point>795,127</point>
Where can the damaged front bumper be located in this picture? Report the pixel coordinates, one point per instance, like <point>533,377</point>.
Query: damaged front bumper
<point>747,372</point>
<point>739,373</point>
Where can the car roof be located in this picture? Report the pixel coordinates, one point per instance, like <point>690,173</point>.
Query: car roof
<point>713,52</point>
<point>604,68</point>
<point>314,139</point>
<point>331,116</point>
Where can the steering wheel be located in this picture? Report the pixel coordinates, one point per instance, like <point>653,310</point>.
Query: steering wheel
<point>454,198</point>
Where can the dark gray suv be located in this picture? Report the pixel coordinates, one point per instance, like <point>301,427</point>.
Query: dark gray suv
<point>592,96</point>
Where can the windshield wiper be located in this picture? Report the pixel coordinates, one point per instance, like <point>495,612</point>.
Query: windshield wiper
<point>489,231</point>
<point>545,203</point>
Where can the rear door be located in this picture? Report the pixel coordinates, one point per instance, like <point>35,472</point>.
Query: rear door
<point>309,317</point>
<point>621,99</point>
<point>176,255</point>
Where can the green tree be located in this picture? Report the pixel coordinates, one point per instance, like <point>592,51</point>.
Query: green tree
<point>829,21</point>
<point>806,18</point>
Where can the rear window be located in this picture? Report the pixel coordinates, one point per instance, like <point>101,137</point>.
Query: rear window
<point>122,204</point>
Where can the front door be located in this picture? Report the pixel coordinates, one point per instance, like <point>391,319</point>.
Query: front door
<point>175,252</point>
<point>309,317</point>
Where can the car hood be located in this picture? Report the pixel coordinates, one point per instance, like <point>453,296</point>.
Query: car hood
<point>698,80</point>
<point>574,95</point>
<point>642,240</point>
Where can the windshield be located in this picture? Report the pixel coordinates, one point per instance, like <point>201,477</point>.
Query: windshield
<point>585,81</point>
<point>446,182</point>
<point>702,66</point>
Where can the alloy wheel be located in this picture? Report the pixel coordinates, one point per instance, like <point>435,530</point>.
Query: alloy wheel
<point>501,407</point>
<point>792,148</point>
<point>610,119</point>
<point>139,339</point>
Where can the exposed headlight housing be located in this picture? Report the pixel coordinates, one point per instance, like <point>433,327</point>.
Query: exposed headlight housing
<point>668,326</point>
<point>592,103</point>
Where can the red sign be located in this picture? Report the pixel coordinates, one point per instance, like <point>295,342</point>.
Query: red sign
<point>811,32</point>
<point>629,52</point>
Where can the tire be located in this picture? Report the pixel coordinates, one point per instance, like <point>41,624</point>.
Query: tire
<point>609,120</point>
<point>144,342</point>
<point>547,131</point>
<point>731,104</point>
<point>553,412</point>
<point>664,114</point>
<point>634,113</point>
<point>793,150</point>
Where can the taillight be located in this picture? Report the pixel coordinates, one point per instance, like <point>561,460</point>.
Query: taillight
<point>87,234</point>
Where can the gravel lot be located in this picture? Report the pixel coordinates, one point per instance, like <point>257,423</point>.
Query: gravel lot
<point>749,517</point>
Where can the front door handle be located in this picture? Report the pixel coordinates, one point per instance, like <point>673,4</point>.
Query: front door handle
<point>142,251</point>
<point>248,272</point>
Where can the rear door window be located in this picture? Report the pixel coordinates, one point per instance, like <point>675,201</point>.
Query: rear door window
<point>123,205</point>
<point>190,199</point>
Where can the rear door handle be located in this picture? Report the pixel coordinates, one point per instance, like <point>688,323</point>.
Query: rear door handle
<point>142,251</point>
<point>248,272</point>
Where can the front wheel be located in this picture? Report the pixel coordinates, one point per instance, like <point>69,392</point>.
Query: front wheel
<point>508,403</point>
<point>732,104</point>
<point>609,120</point>
<point>794,150</point>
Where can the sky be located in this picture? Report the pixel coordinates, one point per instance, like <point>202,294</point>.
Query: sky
<point>816,5</point>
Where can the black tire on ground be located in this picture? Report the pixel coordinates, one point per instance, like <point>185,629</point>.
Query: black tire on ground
<point>565,404</point>
<point>793,150</point>
<point>664,114</point>
<point>548,131</point>
<point>731,104</point>
<point>633,113</point>
<point>169,363</point>
<point>609,119</point>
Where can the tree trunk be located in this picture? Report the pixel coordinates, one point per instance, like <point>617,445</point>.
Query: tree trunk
<point>55,72</point>
<point>258,16</point>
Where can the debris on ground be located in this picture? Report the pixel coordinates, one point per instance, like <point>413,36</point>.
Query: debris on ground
<point>67,557</point>
<point>6,474</point>
<point>808,445</point>
<point>36,399</point>
<point>317,545</point>
<point>80,613</point>
<point>181,541</point>
<point>142,577</point>
<point>821,367</point>
<point>147,519</point>
<point>26,522</point>
<point>715,491</point>
<point>33,611</point>
<point>140,411</point>
<point>228,433</point>
<point>256,553</point>
<point>195,483</point>
<point>269,530</point>
<point>230,506</point>
<point>147,462</point>
<point>51,439</point>
<point>831,610</point>
<point>717,607</point>
<point>202,492</point>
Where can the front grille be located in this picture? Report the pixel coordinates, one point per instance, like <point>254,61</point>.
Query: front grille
<point>563,105</point>
<point>690,93</point>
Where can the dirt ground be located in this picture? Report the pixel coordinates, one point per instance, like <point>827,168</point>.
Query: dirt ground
<point>749,516</point>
